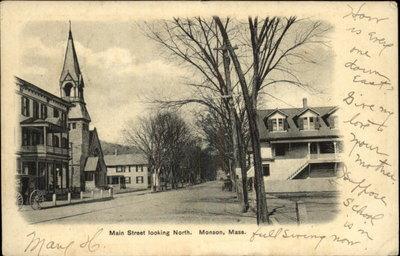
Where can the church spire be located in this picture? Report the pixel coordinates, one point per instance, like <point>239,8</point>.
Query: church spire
<point>70,32</point>
<point>71,70</point>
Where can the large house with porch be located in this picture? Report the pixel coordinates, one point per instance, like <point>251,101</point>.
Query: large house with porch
<point>41,140</point>
<point>299,144</point>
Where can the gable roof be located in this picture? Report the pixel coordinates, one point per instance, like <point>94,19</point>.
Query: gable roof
<point>293,131</point>
<point>91,164</point>
<point>125,159</point>
<point>79,111</point>
<point>94,137</point>
<point>276,110</point>
<point>308,109</point>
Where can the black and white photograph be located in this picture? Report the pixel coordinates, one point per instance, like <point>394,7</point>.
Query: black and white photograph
<point>210,124</point>
<point>229,135</point>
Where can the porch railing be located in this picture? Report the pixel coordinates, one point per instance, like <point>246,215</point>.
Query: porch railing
<point>42,149</point>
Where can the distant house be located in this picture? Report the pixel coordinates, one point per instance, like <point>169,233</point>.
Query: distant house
<point>300,143</point>
<point>127,171</point>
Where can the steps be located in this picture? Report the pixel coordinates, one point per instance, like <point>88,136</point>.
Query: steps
<point>285,169</point>
<point>298,170</point>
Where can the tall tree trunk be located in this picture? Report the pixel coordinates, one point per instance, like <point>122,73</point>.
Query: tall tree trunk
<point>262,214</point>
<point>243,169</point>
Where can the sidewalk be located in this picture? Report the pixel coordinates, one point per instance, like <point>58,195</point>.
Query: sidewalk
<point>87,198</point>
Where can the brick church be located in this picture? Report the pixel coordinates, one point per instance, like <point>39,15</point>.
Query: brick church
<point>87,167</point>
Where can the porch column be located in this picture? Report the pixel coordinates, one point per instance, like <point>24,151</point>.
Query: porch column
<point>334,148</point>
<point>66,175</point>
<point>61,175</point>
<point>45,138</point>
<point>37,168</point>
<point>309,149</point>
<point>318,149</point>
<point>54,176</point>
<point>46,176</point>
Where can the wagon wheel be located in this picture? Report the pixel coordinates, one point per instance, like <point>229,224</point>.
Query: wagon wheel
<point>20,201</point>
<point>36,198</point>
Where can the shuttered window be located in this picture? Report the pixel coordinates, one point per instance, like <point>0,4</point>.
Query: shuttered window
<point>309,123</point>
<point>25,106</point>
<point>43,111</point>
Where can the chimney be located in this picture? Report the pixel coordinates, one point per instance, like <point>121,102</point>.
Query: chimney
<point>115,151</point>
<point>305,103</point>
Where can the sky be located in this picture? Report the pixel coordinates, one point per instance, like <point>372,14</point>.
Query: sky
<point>122,68</point>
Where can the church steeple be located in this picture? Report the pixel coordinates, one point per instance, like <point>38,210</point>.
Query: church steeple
<point>71,81</point>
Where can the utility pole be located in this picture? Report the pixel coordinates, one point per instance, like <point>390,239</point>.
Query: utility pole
<point>228,83</point>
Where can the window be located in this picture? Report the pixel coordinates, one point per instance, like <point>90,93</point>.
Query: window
<point>141,168</point>
<point>120,168</point>
<point>35,109</point>
<point>25,137</point>
<point>265,168</point>
<point>56,113</point>
<point>309,123</point>
<point>25,106</point>
<point>278,124</point>
<point>137,168</point>
<point>64,143</point>
<point>128,180</point>
<point>326,147</point>
<point>67,89</point>
<point>73,125</point>
<point>313,148</point>
<point>280,149</point>
<point>56,142</point>
<point>139,179</point>
<point>43,111</point>
<point>89,176</point>
<point>113,180</point>
<point>64,118</point>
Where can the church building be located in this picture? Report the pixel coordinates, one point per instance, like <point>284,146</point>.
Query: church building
<point>87,164</point>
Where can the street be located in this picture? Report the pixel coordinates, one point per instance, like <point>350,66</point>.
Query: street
<point>204,203</point>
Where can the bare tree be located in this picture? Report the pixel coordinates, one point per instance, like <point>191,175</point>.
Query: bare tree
<point>196,42</point>
<point>274,43</point>
<point>163,138</point>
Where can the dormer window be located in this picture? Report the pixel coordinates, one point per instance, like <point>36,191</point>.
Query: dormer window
<point>277,124</point>
<point>308,120</point>
<point>309,123</point>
